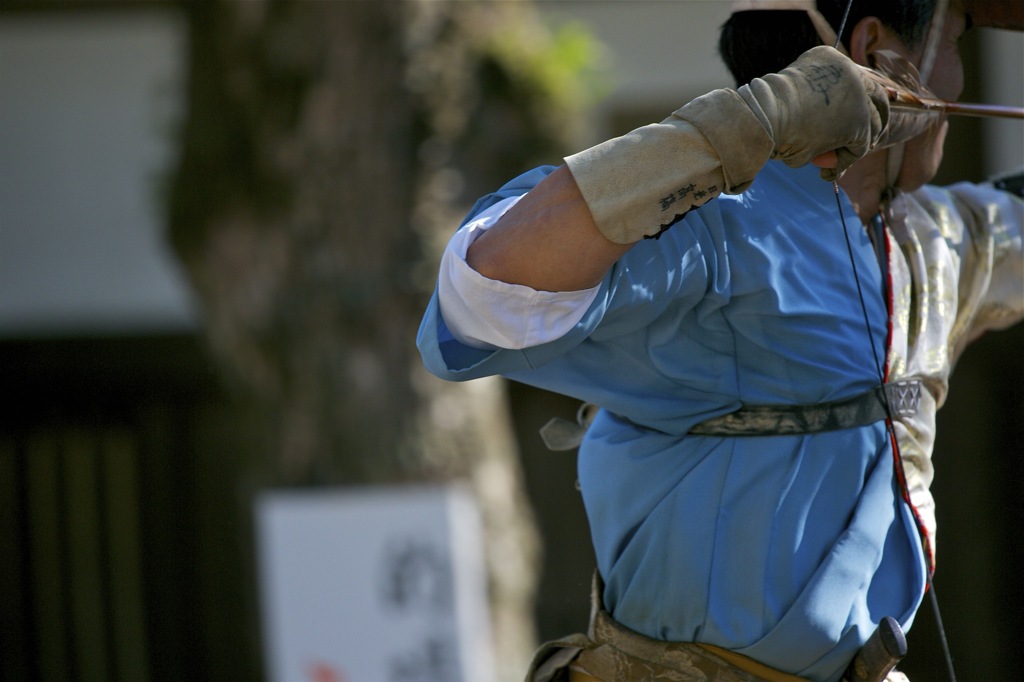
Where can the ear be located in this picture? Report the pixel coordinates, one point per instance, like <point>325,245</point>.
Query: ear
<point>869,35</point>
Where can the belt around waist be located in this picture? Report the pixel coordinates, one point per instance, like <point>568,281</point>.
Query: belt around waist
<point>894,399</point>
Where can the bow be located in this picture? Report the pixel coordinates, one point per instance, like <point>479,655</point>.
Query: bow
<point>909,99</point>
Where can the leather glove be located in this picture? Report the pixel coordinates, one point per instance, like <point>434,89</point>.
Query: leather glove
<point>822,101</point>
<point>638,184</point>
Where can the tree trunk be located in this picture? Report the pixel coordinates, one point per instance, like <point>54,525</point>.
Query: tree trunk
<point>317,168</point>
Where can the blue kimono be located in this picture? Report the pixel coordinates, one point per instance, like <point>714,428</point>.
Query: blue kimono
<point>787,549</point>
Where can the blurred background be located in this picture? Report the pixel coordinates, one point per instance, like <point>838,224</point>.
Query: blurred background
<point>219,224</point>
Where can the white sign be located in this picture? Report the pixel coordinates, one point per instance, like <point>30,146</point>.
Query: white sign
<point>373,585</point>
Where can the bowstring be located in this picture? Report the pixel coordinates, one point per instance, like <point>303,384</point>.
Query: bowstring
<point>890,425</point>
<point>842,24</point>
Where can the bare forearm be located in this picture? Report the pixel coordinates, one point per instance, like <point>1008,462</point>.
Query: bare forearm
<point>548,241</point>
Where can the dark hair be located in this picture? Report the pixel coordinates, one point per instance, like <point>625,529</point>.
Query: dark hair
<point>764,41</point>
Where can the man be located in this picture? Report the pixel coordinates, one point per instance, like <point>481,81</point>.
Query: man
<point>757,504</point>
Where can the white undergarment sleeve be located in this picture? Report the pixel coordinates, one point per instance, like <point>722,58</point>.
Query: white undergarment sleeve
<point>489,314</point>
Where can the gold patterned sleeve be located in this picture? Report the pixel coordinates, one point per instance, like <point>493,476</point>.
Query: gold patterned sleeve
<point>985,227</point>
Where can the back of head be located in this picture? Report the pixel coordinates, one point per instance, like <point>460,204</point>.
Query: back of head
<point>755,42</point>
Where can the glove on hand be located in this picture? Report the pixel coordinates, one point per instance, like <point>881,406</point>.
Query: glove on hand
<point>638,184</point>
<point>821,102</point>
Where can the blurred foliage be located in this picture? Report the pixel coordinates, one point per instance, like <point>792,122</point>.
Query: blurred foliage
<point>557,72</point>
<point>498,92</point>
<point>502,91</point>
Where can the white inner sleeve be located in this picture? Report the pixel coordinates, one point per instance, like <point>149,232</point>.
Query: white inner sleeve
<point>489,314</point>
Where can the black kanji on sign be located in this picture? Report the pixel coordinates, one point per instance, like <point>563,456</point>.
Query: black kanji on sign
<point>416,576</point>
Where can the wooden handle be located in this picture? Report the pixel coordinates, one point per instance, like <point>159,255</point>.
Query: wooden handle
<point>884,649</point>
